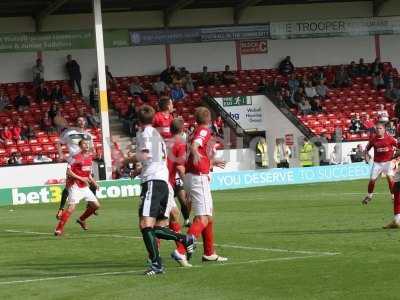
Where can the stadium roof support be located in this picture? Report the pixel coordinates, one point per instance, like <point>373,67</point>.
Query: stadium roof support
<point>241,7</point>
<point>51,8</point>
<point>377,6</point>
<point>172,9</point>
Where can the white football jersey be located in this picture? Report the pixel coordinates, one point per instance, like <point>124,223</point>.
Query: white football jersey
<point>71,137</point>
<point>155,167</point>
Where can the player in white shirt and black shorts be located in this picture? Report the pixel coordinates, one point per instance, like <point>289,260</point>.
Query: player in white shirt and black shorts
<point>152,154</point>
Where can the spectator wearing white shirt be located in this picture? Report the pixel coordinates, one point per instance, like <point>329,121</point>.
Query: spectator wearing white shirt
<point>383,115</point>
<point>336,156</point>
<point>321,89</point>
<point>310,90</point>
<point>40,159</point>
<point>160,87</point>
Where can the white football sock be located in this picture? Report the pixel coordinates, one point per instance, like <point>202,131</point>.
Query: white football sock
<point>397,218</point>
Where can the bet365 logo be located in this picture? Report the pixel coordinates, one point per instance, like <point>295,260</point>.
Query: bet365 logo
<point>44,195</point>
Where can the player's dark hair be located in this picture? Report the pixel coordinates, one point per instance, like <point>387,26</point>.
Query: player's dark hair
<point>146,115</point>
<point>163,103</point>
<point>202,115</point>
<point>381,123</point>
<point>177,126</point>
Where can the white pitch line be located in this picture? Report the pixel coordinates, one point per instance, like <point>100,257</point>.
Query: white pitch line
<point>218,245</point>
<point>141,271</point>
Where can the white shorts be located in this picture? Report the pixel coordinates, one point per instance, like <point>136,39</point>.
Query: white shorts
<point>199,193</point>
<point>171,201</point>
<point>76,194</point>
<point>379,168</point>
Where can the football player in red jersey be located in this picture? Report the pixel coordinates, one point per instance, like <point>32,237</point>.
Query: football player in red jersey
<point>163,119</point>
<point>197,184</point>
<point>384,146</point>
<point>79,179</point>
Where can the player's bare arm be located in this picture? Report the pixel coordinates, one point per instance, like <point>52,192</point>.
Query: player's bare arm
<point>73,175</point>
<point>194,149</point>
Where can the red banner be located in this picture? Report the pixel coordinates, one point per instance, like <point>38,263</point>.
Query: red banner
<point>253,47</point>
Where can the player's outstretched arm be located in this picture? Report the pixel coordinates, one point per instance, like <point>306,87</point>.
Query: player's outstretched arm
<point>93,182</point>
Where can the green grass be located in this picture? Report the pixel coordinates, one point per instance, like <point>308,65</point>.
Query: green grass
<point>317,218</point>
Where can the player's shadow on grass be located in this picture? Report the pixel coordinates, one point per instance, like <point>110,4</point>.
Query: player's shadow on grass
<point>323,231</point>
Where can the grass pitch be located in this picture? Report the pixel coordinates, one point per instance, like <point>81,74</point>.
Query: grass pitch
<point>291,242</point>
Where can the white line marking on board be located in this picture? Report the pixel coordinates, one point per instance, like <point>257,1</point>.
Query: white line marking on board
<point>141,271</point>
<point>218,245</point>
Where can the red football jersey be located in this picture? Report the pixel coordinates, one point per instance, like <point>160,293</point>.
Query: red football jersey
<point>81,165</point>
<point>383,147</point>
<point>176,156</point>
<point>201,136</point>
<point>162,123</point>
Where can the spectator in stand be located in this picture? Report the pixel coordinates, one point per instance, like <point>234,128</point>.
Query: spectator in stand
<point>130,121</point>
<point>218,127</point>
<point>177,93</point>
<point>21,101</point>
<point>321,89</point>
<point>4,101</point>
<point>111,83</point>
<point>160,87</point>
<point>40,159</point>
<point>388,79</point>
<point>293,83</point>
<point>299,95</point>
<point>353,70</point>
<point>93,119</point>
<point>377,81</point>
<point>28,133</point>
<point>310,91</point>
<point>368,124</point>
<point>316,106</point>
<point>227,76</point>
<point>391,128</point>
<point>166,75</point>
<point>47,124</point>
<point>57,94</point>
<point>6,134</point>
<point>188,82</point>
<point>16,132</point>
<point>207,78</point>
<point>94,94</point>
<point>319,75</point>
<point>356,125</point>
<point>136,89</point>
<point>74,73</point>
<point>42,93</point>
<point>394,92</point>
<point>275,87</point>
<point>342,78</point>
<point>285,97</point>
<point>382,113</point>
<point>52,113</point>
<point>358,155</point>
<point>330,76</point>
<point>38,72</point>
<point>15,159</point>
<point>286,67</point>
<point>376,67</point>
<point>362,68</point>
<point>305,107</point>
<point>262,86</point>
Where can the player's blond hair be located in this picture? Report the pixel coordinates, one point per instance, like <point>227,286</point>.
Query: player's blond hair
<point>202,115</point>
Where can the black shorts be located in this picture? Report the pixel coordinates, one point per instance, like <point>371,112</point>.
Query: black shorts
<point>154,199</point>
<point>178,186</point>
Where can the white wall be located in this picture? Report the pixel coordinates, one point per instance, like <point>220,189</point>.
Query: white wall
<point>311,52</point>
<point>390,49</point>
<point>195,56</point>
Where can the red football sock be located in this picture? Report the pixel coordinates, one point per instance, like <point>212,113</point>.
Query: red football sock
<point>63,220</point>
<point>176,227</point>
<point>88,212</point>
<point>396,203</point>
<point>195,229</point>
<point>391,186</point>
<point>371,187</point>
<point>208,239</point>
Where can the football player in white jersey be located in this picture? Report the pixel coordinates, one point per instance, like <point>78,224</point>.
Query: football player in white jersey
<point>152,153</point>
<point>71,138</point>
